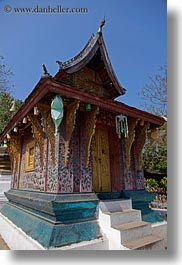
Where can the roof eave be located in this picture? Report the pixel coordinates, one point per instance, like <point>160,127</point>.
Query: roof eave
<point>83,58</point>
<point>50,85</point>
<point>34,97</point>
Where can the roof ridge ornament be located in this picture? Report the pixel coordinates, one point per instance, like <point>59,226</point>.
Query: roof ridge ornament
<point>45,72</point>
<point>60,64</point>
<point>102,23</point>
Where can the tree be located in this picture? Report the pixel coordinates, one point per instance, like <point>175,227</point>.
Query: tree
<point>154,96</point>
<point>5,104</point>
<point>6,98</point>
<point>5,75</point>
<point>154,93</point>
<point>155,155</point>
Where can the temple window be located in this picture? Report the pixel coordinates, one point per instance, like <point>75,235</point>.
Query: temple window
<point>30,156</point>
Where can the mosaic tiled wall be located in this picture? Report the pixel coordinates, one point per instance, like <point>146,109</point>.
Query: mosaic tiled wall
<point>134,178</point>
<point>74,161</point>
<point>75,177</point>
<point>139,179</point>
<point>85,172</point>
<point>51,175</point>
<point>65,176</point>
<point>31,180</point>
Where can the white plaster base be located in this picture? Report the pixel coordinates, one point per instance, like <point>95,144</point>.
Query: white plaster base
<point>115,205</point>
<point>160,229</point>
<point>96,244</point>
<point>15,238</point>
<point>112,234</point>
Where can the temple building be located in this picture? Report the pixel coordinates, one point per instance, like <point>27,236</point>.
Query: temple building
<point>5,173</point>
<point>72,146</point>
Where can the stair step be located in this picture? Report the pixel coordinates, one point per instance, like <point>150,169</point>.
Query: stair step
<point>142,242</point>
<point>133,230</point>
<point>130,215</point>
<point>118,212</point>
<point>130,225</point>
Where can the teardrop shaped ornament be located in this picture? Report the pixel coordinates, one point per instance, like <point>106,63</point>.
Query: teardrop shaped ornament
<point>57,111</point>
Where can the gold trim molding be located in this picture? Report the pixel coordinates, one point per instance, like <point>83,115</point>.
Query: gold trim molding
<point>30,156</point>
<point>48,126</point>
<point>38,134</point>
<point>14,147</point>
<point>51,136</point>
<point>90,119</point>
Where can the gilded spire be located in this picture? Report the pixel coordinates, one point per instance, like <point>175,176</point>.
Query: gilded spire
<point>102,23</point>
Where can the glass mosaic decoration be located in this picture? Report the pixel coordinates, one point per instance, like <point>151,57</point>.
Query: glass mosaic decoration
<point>57,112</point>
<point>121,125</point>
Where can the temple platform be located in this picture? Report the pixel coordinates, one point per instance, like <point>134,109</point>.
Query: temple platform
<point>35,221</point>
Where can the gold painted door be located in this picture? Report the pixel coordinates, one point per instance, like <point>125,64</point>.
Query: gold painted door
<point>101,161</point>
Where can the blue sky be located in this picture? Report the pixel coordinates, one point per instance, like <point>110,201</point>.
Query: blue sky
<point>134,34</point>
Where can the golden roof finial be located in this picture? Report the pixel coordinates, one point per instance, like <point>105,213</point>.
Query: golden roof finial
<point>102,23</point>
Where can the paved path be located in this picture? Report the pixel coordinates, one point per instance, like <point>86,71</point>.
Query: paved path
<point>3,245</point>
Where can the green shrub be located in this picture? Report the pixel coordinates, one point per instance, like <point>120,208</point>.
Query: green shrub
<point>151,185</point>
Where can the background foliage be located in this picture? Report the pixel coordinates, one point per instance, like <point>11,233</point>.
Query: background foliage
<point>154,97</point>
<point>6,98</point>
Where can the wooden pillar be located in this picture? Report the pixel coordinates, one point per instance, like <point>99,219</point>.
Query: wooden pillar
<point>14,146</point>
<point>128,175</point>
<point>87,130</point>
<point>140,138</point>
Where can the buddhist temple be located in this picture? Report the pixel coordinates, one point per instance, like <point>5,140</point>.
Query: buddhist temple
<point>74,147</point>
<point>5,173</point>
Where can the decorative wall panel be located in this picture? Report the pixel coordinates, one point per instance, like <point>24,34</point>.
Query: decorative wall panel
<point>74,157</point>
<point>70,124</point>
<point>65,176</point>
<point>33,179</point>
<point>89,121</point>
<point>139,143</point>
<point>129,180</point>
<point>38,134</point>
<point>130,139</point>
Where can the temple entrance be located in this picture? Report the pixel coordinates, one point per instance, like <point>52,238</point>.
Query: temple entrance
<point>101,161</point>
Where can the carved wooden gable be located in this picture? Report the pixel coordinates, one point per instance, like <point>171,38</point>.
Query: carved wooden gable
<point>87,80</point>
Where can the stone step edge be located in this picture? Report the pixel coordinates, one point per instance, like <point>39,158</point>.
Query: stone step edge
<point>142,242</point>
<point>120,212</point>
<point>131,225</point>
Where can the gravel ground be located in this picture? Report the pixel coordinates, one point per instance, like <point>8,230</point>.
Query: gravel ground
<point>3,245</point>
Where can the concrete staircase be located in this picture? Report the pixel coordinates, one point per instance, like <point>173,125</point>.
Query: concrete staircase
<point>140,201</point>
<point>124,228</point>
